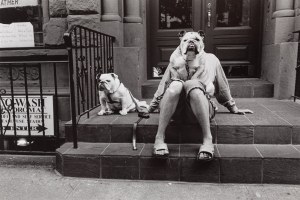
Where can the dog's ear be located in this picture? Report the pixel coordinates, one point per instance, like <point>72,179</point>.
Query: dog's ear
<point>114,75</point>
<point>201,33</point>
<point>181,34</point>
<point>98,76</point>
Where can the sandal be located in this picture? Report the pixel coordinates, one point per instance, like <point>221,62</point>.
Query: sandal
<point>208,151</point>
<point>160,150</point>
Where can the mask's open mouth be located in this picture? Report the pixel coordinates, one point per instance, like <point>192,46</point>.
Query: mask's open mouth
<point>192,48</point>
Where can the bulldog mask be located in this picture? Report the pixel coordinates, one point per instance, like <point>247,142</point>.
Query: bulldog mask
<point>191,44</point>
<point>115,97</point>
<point>187,60</point>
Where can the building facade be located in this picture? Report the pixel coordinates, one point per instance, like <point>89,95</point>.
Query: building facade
<point>252,38</point>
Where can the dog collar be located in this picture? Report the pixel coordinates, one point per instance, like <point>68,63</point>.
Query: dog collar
<point>116,89</point>
<point>109,95</point>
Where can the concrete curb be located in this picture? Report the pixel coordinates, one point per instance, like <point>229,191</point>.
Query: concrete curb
<point>28,160</point>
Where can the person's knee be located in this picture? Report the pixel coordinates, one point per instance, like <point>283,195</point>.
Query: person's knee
<point>196,95</point>
<point>175,89</point>
<point>190,84</point>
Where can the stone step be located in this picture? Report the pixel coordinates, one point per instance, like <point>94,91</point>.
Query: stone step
<point>273,122</point>
<point>240,88</point>
<point>245,163</point>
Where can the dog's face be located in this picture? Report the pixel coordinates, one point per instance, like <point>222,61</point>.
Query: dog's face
<point>107,82</point>
<point>191,42</point>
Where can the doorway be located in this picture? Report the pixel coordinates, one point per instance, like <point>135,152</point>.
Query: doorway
<point>232,32</point>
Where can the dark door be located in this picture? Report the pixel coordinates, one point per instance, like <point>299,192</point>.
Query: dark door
<point>232,29</point>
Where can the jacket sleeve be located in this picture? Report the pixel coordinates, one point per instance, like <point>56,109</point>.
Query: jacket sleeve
<point>222,92</point>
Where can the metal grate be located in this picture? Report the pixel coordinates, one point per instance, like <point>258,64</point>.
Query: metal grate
<point>29,121</point>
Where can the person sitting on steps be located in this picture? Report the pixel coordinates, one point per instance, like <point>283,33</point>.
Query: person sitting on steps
<point>190,98</point>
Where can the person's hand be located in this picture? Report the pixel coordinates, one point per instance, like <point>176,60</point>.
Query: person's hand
<point>235,110</point>
<point>243,111</point>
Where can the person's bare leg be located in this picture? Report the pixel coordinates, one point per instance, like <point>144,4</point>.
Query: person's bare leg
<point>167,109</point>
<point>200,108</point>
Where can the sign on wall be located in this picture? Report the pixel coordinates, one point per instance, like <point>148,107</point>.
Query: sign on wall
<point>35,115</point>
<point>16,35</point>
<point>17,3</point>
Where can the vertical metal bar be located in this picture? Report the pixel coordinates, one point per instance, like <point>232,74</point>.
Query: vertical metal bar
<point>13,104</point>
<point>106,54</point>
<point>76,68</point>
<point>42,100</point>
<point>95,72</point>
<point>101,54</point>
<point>57,133</point>
<point>112,53</point>
<point>98,56</point>
<point>42,108</point>
<point>27,105</point>
<point>86,72</point>
<point>90,69</point>
<point>72,94</point>
<point>81,83</point>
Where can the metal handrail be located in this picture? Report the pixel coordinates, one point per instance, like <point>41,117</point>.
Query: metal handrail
<point>90,52</point>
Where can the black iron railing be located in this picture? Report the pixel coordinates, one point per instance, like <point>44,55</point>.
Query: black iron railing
<point>90,53</point>
<point>29,121</point>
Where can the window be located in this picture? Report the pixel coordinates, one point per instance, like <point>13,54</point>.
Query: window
<point>24,11</point>
<point>232,13</point>
<point>175,14</point>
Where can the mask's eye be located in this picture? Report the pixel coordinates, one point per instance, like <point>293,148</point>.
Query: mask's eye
<point>185,40</point>
<point>108,80</point>
<point>197,39</point>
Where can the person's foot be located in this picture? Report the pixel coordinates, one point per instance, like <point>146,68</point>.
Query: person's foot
<point>206,152</point>
<point>160,148</point>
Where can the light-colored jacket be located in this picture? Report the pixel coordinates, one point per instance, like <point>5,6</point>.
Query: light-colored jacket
<point>215,74</point>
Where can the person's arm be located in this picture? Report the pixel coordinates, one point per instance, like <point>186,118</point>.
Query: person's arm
<point>160,90</point>
<point>223,94</point>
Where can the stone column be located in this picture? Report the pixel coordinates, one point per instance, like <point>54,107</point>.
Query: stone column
<point>297,16</point>
<point>132,11</point>
<point>45,8</point>
<point>284,8</point>
<point>110,10</point>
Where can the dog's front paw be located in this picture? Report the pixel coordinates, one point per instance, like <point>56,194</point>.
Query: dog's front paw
<point>123,112</point>
<point>101,112</point>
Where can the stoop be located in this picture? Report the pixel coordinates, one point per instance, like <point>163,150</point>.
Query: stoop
<point>260,148</point>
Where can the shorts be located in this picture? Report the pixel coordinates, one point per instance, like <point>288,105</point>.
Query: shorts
<point>183,112</point>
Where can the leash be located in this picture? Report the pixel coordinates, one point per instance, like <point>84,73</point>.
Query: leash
<point>143,114</point>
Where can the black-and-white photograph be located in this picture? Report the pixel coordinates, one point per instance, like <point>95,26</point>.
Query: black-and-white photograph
<point>149,99</point>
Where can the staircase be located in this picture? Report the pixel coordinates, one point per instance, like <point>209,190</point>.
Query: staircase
<point>260,148</point>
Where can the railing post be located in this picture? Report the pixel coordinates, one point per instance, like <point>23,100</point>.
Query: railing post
<point>68,42</point>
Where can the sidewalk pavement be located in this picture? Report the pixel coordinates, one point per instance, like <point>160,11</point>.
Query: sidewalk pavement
<point>30,183</point>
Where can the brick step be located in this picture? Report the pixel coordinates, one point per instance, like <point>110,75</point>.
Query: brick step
<point>232,163</point>
<point>273,122</point>
<point>240,88</point>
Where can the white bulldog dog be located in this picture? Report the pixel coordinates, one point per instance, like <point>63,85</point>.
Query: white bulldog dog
<point>115,97</point>
<point>187,62</point>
